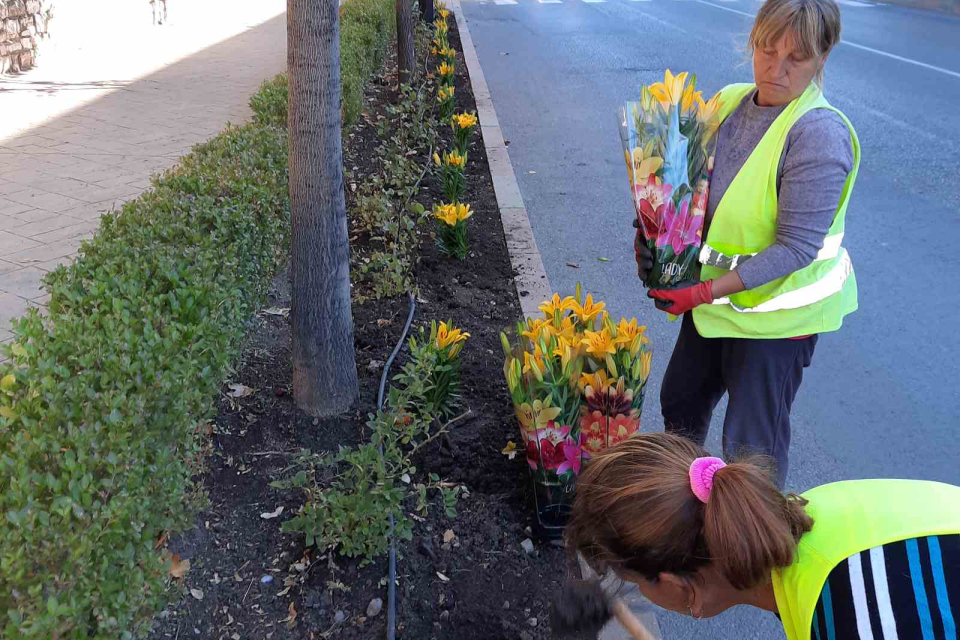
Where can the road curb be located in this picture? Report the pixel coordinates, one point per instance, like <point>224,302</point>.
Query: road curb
<point>530,277</point>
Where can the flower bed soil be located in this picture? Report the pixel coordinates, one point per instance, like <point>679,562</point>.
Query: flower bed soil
<point>490,587</point>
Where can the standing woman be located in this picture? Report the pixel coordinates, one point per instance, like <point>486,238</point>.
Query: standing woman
<point>774,272</point>
<point>857,560</point>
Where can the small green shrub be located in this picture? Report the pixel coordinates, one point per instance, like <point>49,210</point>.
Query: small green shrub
<point>351,495</point>
<point>101,399</point>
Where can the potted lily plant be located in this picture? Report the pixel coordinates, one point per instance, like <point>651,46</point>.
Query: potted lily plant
<point>576,381</point>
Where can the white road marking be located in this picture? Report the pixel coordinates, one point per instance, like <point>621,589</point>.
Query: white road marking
<point>955,74</point>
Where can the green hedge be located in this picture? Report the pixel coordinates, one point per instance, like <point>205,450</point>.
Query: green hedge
<point>366,29</point>
<point>99,406</point>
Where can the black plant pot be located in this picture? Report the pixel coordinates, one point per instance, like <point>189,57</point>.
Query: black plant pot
<point>553,503</point>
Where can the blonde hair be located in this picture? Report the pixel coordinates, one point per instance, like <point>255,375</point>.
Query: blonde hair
<point>814,25</point>
<point>634,510</point>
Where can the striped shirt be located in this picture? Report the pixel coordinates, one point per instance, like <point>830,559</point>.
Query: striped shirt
<point>907,590</point>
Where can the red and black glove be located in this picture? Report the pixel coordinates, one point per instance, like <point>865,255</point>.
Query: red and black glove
<point>679,301</point>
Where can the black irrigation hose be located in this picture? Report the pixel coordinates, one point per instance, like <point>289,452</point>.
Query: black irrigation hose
<point>392,571</point>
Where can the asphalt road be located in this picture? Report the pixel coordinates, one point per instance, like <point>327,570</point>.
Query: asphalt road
<point>882,396</point>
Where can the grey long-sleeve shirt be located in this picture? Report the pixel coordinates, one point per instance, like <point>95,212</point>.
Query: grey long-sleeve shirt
<point>816,160</point>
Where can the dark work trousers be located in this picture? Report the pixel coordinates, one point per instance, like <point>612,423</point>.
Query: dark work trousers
<point>762,378</point>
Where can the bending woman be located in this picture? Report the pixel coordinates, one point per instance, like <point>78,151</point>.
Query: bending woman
<point>867,559</point>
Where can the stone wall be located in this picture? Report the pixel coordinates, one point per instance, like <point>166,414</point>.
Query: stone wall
<point>23,23</point>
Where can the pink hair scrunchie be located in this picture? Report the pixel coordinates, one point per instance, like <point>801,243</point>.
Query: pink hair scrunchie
<point>701,476</point>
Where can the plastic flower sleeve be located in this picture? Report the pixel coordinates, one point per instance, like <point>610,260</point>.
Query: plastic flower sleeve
<point>668,142</point>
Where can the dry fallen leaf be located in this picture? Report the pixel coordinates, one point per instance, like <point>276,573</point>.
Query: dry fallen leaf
<point>277,311</point>
<point>510,450</point>
<point>291,620</point>
<point>442,577</point>
<point>238,390</point>
<point>178,567</point>
<point>162,540</point>
<point>273,514</point>
<point>449,535</point>
<point>573,264</point>
<point>197,593</point>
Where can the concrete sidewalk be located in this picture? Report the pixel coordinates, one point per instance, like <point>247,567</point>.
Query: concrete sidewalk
<point>113,100</point>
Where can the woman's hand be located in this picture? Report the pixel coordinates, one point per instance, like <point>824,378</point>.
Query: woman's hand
<point>678,301</point>
<point>643,254</point>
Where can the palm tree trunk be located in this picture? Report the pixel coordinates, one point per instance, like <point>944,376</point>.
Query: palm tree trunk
<point>426,11</point>
<point>324,365</point>
<point>406,59</point>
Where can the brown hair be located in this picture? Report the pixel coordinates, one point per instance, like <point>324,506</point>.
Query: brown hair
<point>814,25</point>
<point>634,510</point>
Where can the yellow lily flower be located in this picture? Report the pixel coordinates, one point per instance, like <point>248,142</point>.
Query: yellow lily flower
<point>589,310</point>
<point>567,330</point>
<point>436,159</point>
<point>454,159</point>
<point>444,13</point>
<point>447,335</point>
<point>533,360</point>
<point>533,328</point>
<point>561,347</point>
<point>556,304</point>
<point>627,331</point>
<point>463,120</point>
<point>537,415</point>
<point>599,344</point>
<point>445,213</point>
<point>689,98</point>
<point>461,211</point>
<point>445,69</point>
<point>597,380</point>
<point>640,168</point>
<point>443,93</point>
<point>707,110</point>
<point>670,91</point>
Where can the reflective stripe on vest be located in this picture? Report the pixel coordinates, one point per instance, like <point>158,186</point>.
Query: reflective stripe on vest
<point>712,257</point>
<point>829,284</point>
<point>850,517</point>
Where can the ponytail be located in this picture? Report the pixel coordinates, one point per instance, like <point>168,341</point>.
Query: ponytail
<point>750,527</point>
<point>635,510</point>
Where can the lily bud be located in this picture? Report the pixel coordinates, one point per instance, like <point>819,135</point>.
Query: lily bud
<point>505,343</point>
<point>611,367</point>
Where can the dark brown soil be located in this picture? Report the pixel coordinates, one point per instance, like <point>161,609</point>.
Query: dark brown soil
<point>253,577</point>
